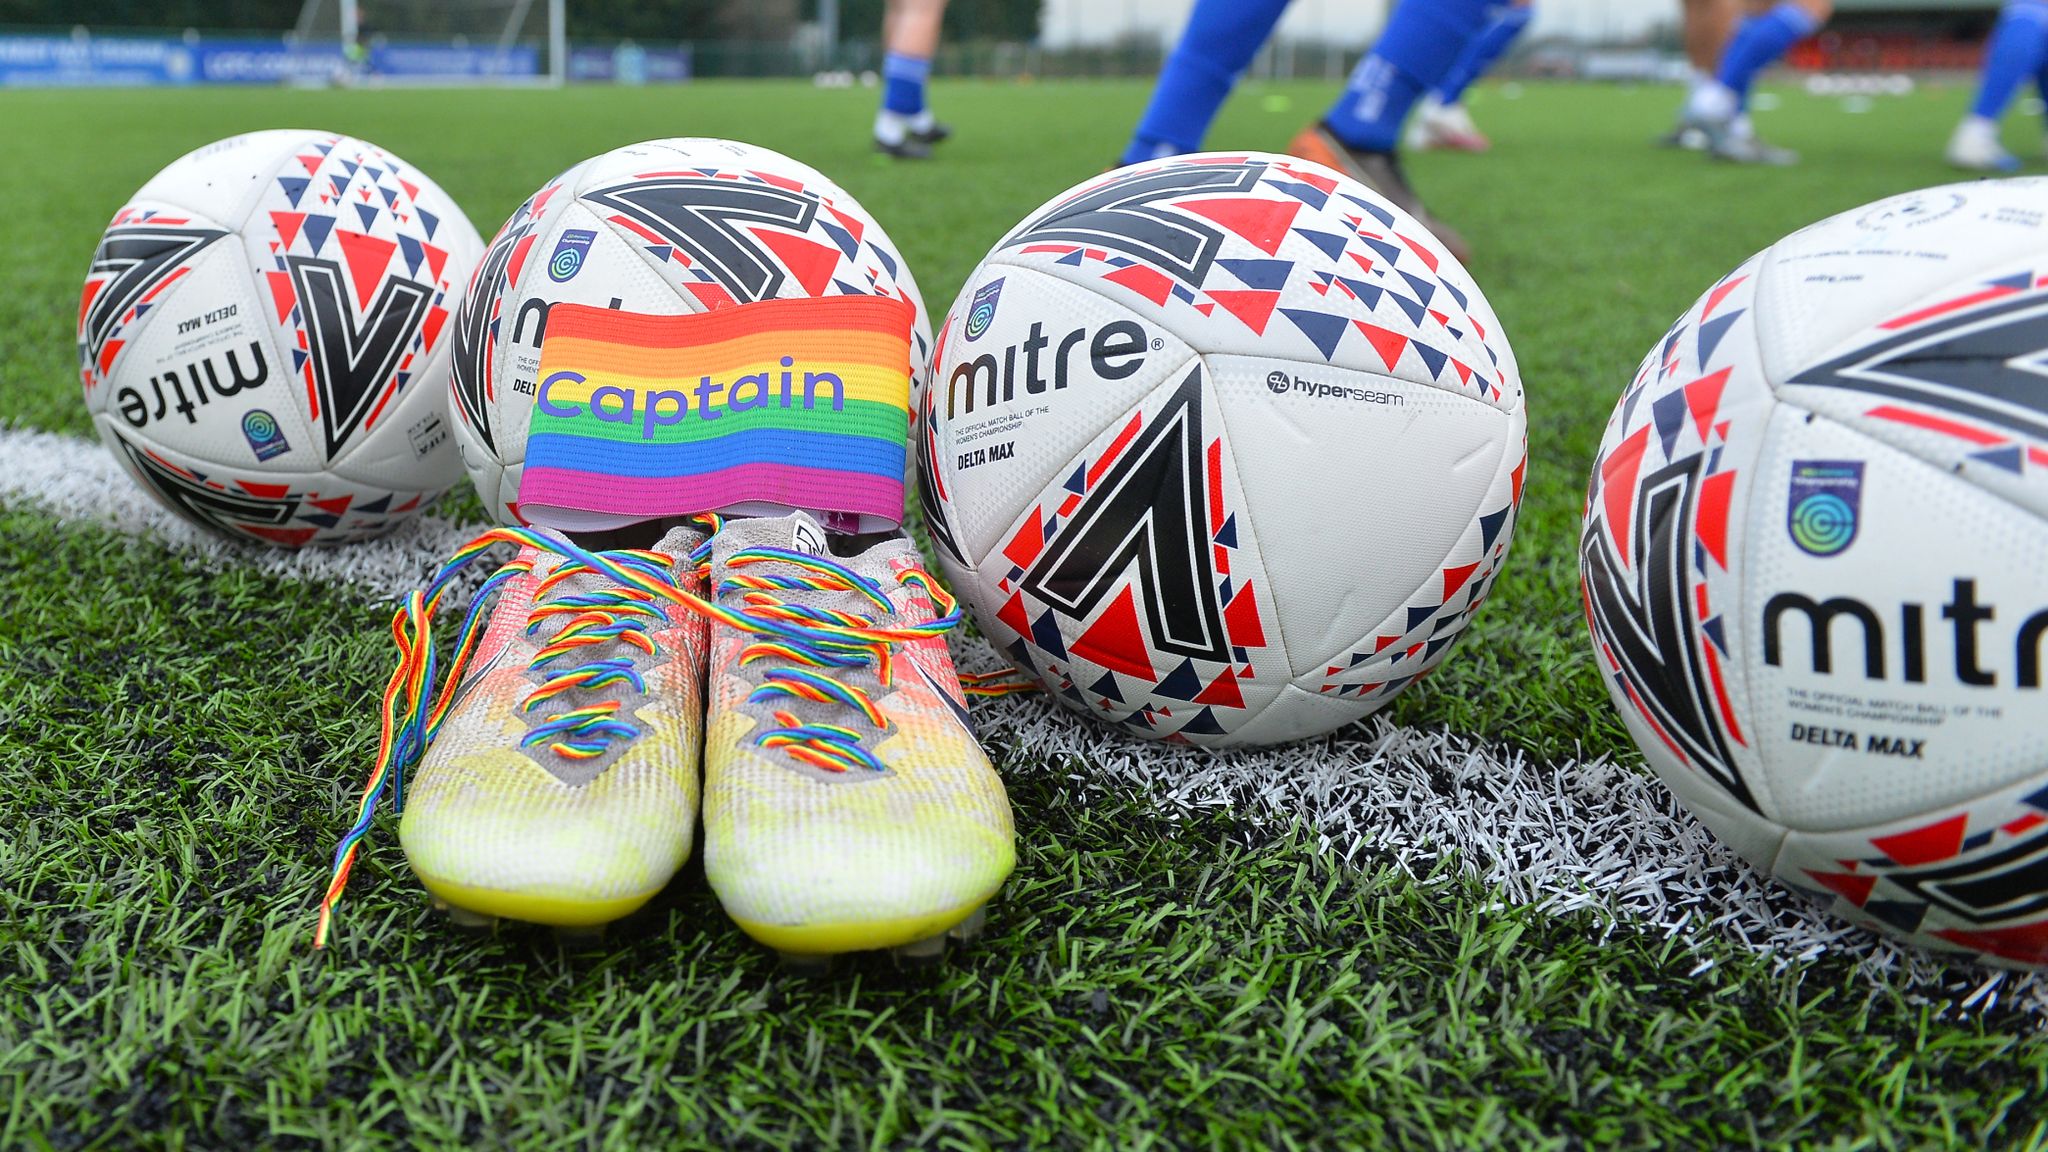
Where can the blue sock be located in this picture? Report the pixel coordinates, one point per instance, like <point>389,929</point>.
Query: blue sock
<point>2018,49</point>
<point>1485,48</point>
<point>1422,40</point>
<point>1219,41</point>
<point>903,80</point>
<point>1759,43</point>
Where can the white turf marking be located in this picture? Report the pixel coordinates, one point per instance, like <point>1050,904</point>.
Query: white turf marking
<point>1587,835</point>
<point>79,480</point>
<point>1591,836</point>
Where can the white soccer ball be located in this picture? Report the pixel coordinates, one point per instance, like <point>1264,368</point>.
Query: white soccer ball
<point>668,227</point>
<point>263,337</point>
<point>1222,449</point>
<point>1814,553</point>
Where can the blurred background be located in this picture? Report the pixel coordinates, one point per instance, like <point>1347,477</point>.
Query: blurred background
<point>836,42</point>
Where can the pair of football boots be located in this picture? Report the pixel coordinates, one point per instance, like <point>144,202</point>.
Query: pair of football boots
<point>802,703</point>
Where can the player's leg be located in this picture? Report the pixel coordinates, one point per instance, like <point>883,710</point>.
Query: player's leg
<point>2017,50</point>
<point>2041,88</point>
<point>1442,121</point>
<point>1719,108</point>
<point>1215,47</point>
<point>1707,28</point>
<point>1359,133</point>
<point>904,126</point>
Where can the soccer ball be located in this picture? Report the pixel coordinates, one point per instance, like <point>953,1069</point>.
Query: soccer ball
<point>262,337</point>
<point>1813,558</point>
<point>1222,449</point>
<point>668,227</point>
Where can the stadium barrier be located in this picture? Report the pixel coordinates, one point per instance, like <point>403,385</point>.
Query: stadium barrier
<point>81,60</point>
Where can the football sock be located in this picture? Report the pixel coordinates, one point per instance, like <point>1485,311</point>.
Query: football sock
<point>1759,42</point>
<point>903,80</point>
<point>1485,48</point>
<point>2017,50</point>
<point>1712,100</point>
<point>1219,41</point>
<point>1420,44</point>
<point>1977,135</point>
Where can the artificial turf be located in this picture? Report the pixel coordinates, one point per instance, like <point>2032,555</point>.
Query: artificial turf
<point>179,745</point>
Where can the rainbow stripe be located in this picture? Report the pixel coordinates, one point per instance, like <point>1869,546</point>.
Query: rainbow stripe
<point>804,403</point>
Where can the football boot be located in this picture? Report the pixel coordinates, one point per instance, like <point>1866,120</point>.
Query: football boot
<point>1974,147</point>
<point>1445,126</point>
<point>553,778</point>
<point>847,803</point>
<point>1735,141</point>
<point>1379,171</point>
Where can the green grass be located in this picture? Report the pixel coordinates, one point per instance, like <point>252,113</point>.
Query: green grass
<point>179,745</point>
<point>1145,981</point>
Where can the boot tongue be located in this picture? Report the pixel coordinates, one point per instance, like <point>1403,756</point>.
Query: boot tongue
<point>796,532</point>
<point>807,535</point>
<point>678,542</point>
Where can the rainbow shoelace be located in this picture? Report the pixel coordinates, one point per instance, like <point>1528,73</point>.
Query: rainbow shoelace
<point>1007,682</point>
<point>816,641</point>
<point>625,612</point>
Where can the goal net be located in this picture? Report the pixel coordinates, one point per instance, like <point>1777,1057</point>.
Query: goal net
<point>439,41</point>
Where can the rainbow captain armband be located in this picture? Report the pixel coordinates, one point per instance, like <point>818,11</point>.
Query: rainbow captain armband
<point>752,409</point>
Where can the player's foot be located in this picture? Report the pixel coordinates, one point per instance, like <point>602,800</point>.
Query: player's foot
<point>908,148</point>
<point>554,777</point>
<point>1715,112</point>
<point>1736,141</point>
<point>847,804</point>
<point>1975,147</point>
<point>1379,171</point>
<point>1445,126</point>
<point>908,137</point>
<point>1689,136</point>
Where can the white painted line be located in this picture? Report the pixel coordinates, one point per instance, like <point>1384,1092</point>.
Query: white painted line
<point>1583,835</point>
<point>78,480</point>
